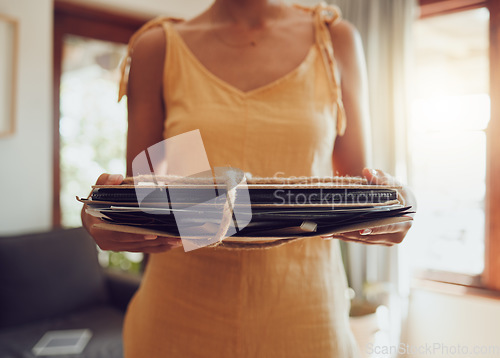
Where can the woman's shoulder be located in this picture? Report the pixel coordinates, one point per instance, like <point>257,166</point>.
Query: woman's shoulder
<point>148,51</point>
<point>151,39</point>
<point>346,41</point>
<point>343,29</point>
<point>151,36</point>
<point>145,53</point>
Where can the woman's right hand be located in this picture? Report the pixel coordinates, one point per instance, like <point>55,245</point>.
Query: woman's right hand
<point>119,241</point>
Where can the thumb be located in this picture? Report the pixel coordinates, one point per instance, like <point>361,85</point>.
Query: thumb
<point>377,176</point>
<point>109,179</point>
<point>370,175</point>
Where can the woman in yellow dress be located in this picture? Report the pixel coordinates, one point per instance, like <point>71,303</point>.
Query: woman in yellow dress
<point>272,89</point>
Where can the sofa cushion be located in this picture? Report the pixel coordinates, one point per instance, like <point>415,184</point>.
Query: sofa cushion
<point>105,323</point>
<point>48,274</point>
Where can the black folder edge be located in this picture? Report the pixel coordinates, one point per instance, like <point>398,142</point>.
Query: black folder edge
<point>338,230</point>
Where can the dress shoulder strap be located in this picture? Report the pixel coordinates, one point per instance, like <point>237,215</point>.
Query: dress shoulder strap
<point>125,65</point>
<point>325,16</point>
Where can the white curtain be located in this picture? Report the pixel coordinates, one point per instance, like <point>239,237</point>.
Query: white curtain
<point>385,27</point>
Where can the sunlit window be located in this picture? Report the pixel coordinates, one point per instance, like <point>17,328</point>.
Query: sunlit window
<point>447,141</point>
<point>93,125</point>
<point>93,128</point>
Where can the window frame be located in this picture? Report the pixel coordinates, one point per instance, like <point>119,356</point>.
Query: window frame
<point>92,22</point>
<point>489,280</point>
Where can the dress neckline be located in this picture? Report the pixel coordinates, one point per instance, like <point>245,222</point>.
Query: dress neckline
<point>232,88</point>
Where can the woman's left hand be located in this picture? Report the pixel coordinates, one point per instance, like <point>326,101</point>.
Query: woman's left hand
<point>387,235</point>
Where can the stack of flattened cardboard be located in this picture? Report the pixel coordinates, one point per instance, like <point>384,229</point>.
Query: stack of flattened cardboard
<point>253,210</point>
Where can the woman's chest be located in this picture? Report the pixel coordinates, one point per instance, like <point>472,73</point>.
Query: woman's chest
<point>248,66</point>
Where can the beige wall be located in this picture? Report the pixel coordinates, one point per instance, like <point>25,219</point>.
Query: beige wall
<point>26,157</point>
<point>181,8</point>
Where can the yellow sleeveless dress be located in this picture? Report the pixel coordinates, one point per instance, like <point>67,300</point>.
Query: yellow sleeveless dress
<point>286,301</point>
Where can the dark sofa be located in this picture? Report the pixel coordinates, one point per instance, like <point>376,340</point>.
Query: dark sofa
<point>53,281</point>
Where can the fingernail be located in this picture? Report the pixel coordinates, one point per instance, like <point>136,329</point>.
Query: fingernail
<point>365,232</point>
<point>150,237</point>
<point>115,178</point>
<point>327,237</point>
<point>373,172</point>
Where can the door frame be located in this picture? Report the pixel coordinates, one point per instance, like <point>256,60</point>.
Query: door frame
<point>92,22</point>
